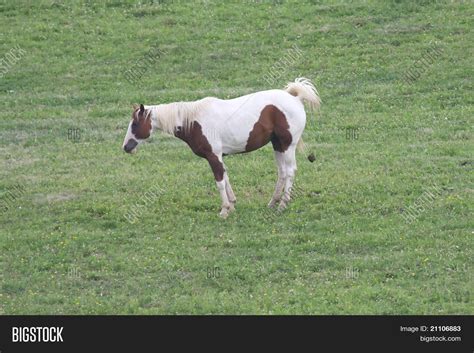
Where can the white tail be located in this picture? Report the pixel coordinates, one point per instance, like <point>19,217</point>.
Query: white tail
<point>304,89</point>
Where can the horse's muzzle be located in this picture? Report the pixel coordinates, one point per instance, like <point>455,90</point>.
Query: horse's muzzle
<point>131,144</point>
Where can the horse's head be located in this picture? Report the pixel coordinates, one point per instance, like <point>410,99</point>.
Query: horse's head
<point>139,129</point>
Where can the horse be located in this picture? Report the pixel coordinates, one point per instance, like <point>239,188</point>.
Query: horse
<point>214,128</point>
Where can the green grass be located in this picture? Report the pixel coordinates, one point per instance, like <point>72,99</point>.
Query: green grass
<point>342,247</point>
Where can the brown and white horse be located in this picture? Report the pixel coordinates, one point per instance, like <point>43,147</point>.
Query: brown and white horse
<point>215,127</point>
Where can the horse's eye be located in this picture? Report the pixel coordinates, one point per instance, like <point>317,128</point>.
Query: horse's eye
<point>134,125</point>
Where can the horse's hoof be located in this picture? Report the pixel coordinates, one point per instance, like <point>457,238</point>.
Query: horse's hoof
<point>271,204</point>
<point>282,206</point>
<point>224,213</point>
<point>232,207</point>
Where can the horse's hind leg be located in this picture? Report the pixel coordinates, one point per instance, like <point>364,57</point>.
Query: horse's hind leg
<point>279,158</point>
<point>290,170</point>
<point>284,143</point>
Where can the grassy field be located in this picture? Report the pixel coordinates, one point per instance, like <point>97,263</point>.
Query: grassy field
<point>386,147</point>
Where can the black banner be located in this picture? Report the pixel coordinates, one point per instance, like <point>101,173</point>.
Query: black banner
<point>293,333</point>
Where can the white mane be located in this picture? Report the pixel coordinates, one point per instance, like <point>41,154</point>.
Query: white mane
<point>171,115</point>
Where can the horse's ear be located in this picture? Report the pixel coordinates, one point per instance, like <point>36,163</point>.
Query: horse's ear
<point>135,107</point>
<point>142,108</point>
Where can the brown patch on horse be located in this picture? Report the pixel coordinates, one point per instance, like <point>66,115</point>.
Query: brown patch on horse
<point>141,125</point>
<point>201,147</point>
<point>271,126</point>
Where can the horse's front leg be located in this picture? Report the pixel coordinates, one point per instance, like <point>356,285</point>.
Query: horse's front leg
<point>218,169</point>
<point>226,205</point>
<point>229,191</point>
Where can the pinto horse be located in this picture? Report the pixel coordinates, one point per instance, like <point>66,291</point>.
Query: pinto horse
<point>214,128</point>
